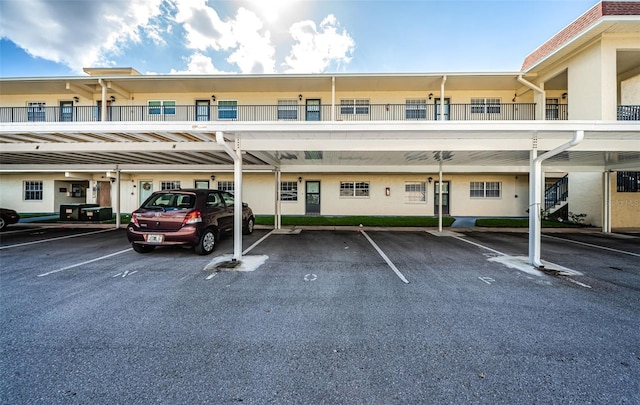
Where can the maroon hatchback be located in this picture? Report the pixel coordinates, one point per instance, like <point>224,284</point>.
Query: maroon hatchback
<point>188,217</point>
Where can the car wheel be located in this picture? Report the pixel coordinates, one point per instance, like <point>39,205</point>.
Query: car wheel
<point>248,228</point>
<point>207,243</point>
<point>3,224</point>
<point>142,248</point>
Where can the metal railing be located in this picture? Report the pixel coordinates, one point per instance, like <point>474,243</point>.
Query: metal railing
<point>254,113</point>
<point>628,113</point>
<point>556,193</point>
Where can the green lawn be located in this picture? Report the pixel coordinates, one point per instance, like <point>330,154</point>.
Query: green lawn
<point>354,220</point>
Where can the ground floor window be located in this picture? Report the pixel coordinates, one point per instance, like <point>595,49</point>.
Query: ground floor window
<point>204,184</point>
<point>354,189</point>
<point>170,185</point>
<point>485,189</point>
<point>289,191</point>
<point>33,190</point>
<point>228,186</point>
<point>628,182</point>
<point>414,192</point>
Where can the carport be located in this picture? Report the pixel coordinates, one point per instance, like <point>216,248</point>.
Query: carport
<point>528,147</point>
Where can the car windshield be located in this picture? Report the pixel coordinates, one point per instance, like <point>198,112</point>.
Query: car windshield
<point>170,201</point>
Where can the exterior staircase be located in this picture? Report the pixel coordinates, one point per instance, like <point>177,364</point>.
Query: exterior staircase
<point>555,199</point>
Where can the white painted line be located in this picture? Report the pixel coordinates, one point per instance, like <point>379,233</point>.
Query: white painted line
<point>487,280</point>
<point>386,259</point>
<point>480,246</point>
<point>592,245</point>
<point>58,238</point>
<point>87,262</point>
<point>577,282</point>
<point>247,250</point>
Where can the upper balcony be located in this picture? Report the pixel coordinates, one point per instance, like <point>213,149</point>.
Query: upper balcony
<point>283,112</point>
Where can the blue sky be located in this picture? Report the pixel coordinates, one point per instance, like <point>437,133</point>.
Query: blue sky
<point>60,37</point>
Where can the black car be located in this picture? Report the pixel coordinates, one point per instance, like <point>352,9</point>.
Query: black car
<point>8,217</point>
<point>188,217</point>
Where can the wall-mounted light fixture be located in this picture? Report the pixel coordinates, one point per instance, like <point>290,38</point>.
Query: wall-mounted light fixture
<point>300,97</point>
<point>213,177</point>
<point>564,95</point>
<point>513,100</point>
<point>387,191</point>
<point>76,99</point>
<point>430,179</point>
<point>299,179</point>
<point>430,96</point>
<point>112,98</point>
<point>213,97</point>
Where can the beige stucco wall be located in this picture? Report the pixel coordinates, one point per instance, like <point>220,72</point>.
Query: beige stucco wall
<point>585,93</point>
<point>630,91</point>
<point>586,196</point>
<point>625,207</point>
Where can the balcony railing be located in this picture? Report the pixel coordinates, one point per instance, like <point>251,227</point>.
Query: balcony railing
<point>254,113</point>
<point>629,113</point>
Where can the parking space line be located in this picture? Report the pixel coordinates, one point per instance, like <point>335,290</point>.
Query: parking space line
<point>480,246</point>
<point>247,250</point>
<point>87,262</point>
<point>386,259</point>
<point>58,238</point>
<point>594,246</point>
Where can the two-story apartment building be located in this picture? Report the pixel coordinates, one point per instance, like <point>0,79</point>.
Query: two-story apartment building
<point>339,144</point>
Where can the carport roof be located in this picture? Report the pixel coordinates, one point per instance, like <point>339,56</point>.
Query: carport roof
<point>497,146</point>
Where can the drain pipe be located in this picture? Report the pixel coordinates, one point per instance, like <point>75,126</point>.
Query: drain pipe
<point>237,207</point>
<point>444,80</point>
<point>535,196</point>
<point>103,107</point>
<point>539,90</point>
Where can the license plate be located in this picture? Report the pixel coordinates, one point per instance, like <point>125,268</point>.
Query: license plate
<point>154,238</point>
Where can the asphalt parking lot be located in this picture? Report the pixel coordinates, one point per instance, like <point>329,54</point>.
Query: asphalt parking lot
<point>335,317</point>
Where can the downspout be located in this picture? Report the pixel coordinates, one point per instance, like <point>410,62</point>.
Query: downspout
<point>538,89</point>
<point>444,79</point>
<point>333,98</point>
<point>103,107</point>
<point>237,206</point>
<point>118,193</point>
<point>535,195</point>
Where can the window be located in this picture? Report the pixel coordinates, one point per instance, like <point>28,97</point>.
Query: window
<point>33,190</point>
<point>227,110</point>
<point>201,184</point>
<point>289,191</point>
<point>481,189</point>
<point>628,182</point>
<point>170,185</point>
<point>414,192</point>
<point>357,106</point>
<point>287,109</point>
<point>35,111</point>
<point>228,186</point>
<point>164,107</point>
<point>416,109</point>
<point>354,189</point>
<point>485,105</point>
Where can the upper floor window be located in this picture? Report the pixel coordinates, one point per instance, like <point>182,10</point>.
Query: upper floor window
<point>36,111</point>
<point>164,107</point>
<point>485,105</point>
<point>354,106</point>
<point>289,191</point>
<point>288,109</point>
<point>227,110</point>
<point>414,192</point>
<point>628,182</point>
<point>32,190</point>
<point>482,189</point>
<point>354,189</point>
<point>228,186</point>
<point>170,185</point>
<point>416,109</point>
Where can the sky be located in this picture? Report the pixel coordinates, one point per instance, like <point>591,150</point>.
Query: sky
<point>61,37</point>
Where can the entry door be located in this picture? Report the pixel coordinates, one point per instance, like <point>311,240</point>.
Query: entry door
<point>104,193</point>
<point>66,111</point>
<point>312,197</point>
<point>99,110</point>
<point>445,198</point>
<point>313,109</point>
<point>145,190</point>
<point>202,110</point>
<point>446,109</point>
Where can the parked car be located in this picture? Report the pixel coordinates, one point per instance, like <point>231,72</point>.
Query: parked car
<point>8,217</point>
<point>188,217</point>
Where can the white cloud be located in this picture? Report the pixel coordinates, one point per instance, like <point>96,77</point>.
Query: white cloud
<point>75,32</point>
<point>315,49</point>
<point>244,36</point>
<point>198,64</point>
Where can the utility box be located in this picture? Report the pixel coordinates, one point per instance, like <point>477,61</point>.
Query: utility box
<point>71,212</point>
<point>96,214</point>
